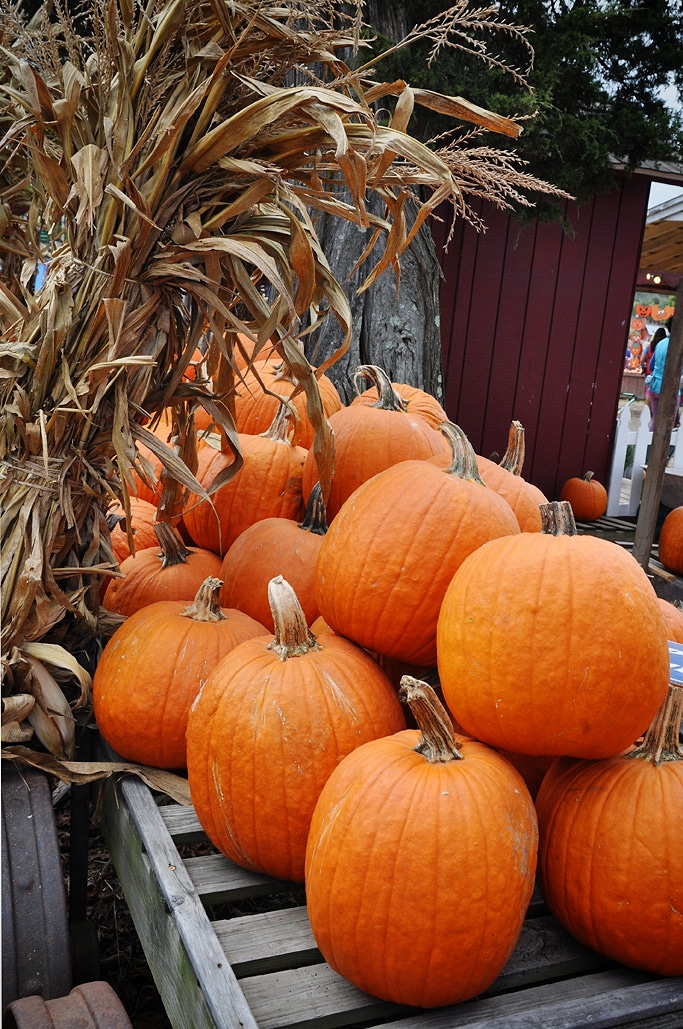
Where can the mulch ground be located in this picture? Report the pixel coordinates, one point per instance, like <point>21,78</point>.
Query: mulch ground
<point>122,959</point>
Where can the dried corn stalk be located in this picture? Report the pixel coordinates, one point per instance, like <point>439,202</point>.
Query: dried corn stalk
<point>175,174</point>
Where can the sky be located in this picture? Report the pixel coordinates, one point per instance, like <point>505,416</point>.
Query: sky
<point>660,192</point>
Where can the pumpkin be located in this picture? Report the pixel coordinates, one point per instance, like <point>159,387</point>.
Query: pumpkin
<point>415,400</point>
<point>142,518</point>
<point>153,667</point>
<point>272,721</point>
<point>670,543</point>
<point>267,485</point>
<point>393,548</point>
<point>610,855</point>
<point>270,547</point>
<point>255,408</point>
<point>536,647</point>
<point>643,310</point>
<point>587,496</point>
<point>370,438</point>
<point>531,767</point>
<point>420,862</point>
<point>673,619</point>
<point>169,571</point>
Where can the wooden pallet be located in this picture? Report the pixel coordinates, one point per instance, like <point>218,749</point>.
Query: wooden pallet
<point>231,949</point>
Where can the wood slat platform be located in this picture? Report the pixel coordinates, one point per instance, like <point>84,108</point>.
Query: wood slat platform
<point>231,949</point>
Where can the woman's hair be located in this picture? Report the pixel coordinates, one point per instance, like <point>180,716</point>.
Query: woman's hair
<point>659,335</point>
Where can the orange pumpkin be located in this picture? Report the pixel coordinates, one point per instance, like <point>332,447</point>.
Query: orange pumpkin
<point>420,862</point>
<point>610,855</point>
<point>273,720</point>
<point>416,401</point>
<point>587,496</point>
<point>255,408</point>
<point>673,620</point>
<point>142,518</point>
<point>370,438</point>
<point>270,547</point>
<point>537,653</point>
<point>169,571</point>
<point>393,548</point>
<point>153,667</point>
<point>268,485</point>
<point>670,543</point>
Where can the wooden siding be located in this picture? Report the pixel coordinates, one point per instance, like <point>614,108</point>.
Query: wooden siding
<point>534,325</point>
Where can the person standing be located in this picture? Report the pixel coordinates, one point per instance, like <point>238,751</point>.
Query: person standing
<point>653,383</point>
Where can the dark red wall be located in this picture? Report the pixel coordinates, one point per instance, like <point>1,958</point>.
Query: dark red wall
<point>534,324</point>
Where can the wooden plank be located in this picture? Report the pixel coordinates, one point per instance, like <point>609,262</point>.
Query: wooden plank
<point>268,941</point>
<point>182,824</point>
<point>218,880</point>
<point>606,1000</point>
<point>194,979</point>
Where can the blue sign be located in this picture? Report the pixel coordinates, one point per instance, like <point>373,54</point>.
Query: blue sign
<point>676,659</point>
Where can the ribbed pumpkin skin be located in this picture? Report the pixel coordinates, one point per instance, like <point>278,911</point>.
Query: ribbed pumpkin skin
<point>143,516</point>
<point>267,486</point>
<point>418,874</point>
<point>670,545</point>
<point>273,546</point>
<point>150,672</point>
<point>523,497</point>
<point>418,401</point>
<point>368,440</point>
<point>611,860</point>
<point>146,581</point>
<point>392,550</point>
<point>264,735</point>
<point>537,651</point>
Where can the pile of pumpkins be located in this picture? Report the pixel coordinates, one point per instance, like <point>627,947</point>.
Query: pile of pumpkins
<point>417,698</point>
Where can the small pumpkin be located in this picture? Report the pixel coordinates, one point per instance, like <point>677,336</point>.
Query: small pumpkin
<point>420,862</point>
<point>610,855</point>
<point>587,496</point>
<point>393,548</point>
<point>153,667</point>
<point>270,547</point>
<point>673,619</point>
<point>370,438</point>
<point>272,721</point>
<point>536,646</point>
<point>670,543</point>
<point>169,571</point>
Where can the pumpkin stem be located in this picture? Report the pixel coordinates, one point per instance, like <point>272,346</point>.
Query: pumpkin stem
<point>661,742</point>
<point>281,429</point>
<point>587,476</point>
<point>437,742</point>
<point>173,550</point>
<point>292,635</point>
<point>463,458</point>
<point>557,518</point>
<point>206,606</point>
<point>388,398</point>
<point>513,458</point>
<point>315,518</point>
<point>283,373</point>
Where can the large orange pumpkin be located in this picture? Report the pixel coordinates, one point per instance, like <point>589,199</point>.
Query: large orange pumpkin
<point>610,854</point>
<point>169,571</point>
<point>552,643</point>
<point>587,496</point>
<point>268,485</point>
<point>271,547</point>
<point>394,546</point>
<point>272,721</point>
<point>670,543</point>
<point>370,438</point>
<point>416,401</point>
<point>153,667</point>
<point>255,408</point>
<point>420,862</point>
<point>142,518</point>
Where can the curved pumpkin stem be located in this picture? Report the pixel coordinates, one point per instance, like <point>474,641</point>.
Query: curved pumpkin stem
<point>661,741</point>
<point>293,638</point>
<point>173,550</point>
<point>281,429</point>
<point>587,476</point>
<point>513,458</point>
<point>206,606</point>
<point>315,518</point>
<point>437,742</point>
<point>463,458</point>
<point>388,398</point>
<point>557,518</point>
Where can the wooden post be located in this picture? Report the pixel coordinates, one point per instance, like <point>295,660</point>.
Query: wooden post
<point>659,450</point>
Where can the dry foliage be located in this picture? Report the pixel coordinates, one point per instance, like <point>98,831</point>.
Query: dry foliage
<point>176,172</point>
